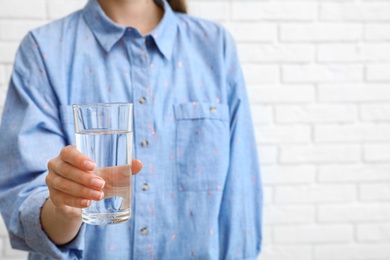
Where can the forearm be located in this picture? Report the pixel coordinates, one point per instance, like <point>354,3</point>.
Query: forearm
<point>61,229</point>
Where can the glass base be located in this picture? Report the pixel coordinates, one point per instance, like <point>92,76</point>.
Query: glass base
<point>106,218</point>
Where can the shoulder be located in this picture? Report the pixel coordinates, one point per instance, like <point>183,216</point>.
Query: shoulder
<point>199,24</point>
<point>210,32</point>
<point>58,29</point>
<point>46,38</point>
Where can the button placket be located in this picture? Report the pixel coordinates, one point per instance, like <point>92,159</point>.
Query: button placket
<point>143,108</point>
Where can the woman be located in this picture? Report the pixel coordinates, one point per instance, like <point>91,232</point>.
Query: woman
<point>199,194</point>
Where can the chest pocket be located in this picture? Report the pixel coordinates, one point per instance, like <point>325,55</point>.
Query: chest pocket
<point>66,115</point>
<point>202,145</point>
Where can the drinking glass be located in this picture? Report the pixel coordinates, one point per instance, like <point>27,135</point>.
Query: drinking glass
<point>104,134</point>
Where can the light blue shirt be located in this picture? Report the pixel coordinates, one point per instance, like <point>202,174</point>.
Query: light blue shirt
<point>199,194</point>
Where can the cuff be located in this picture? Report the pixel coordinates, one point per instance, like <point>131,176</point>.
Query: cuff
<point>35,236</point>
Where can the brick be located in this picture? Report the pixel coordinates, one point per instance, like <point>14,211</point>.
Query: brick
<point>262,114</point>
<point>276,214</point>
<point>375,112</point>
<point>354,212</point>
<point>34,9</point>
<point>322,73</point>
<point>268,153</point>
<point>3,229</point>
<point>373,232</point>
<point>8,51</point>
<point>377,152</point>
<point>377,72</point>
<point>267,195</point>
<point>254,11</point>
<point>8,71</point>
<point>355,11</point>
<point>354,92</point>
<point>261,74</point>
<point>15,30</point>
<point>315,194</point>
<point>352,133</point>
<point>316,113</point>
<point>313,234</point>
<point>271,94</point>
<point>61,8</point>
<point>206,9</point>
<point>3,94</point>
<point>253,32</point>
<point>264,53</point>
<point>334,52</point>
<point>301,174</point>
<point>377,31</point>
<point>355,252</point>
<point>354,173</point>
<point>286,252</point>
<point>375,192</point>
<point>377,52</point>
<point>192,7</point>
<point>2,75</point>
<point>331,153</point>
<point>283,134</point>
<point>334,32</point>
<point>266,235</point>
<point>336,11</point>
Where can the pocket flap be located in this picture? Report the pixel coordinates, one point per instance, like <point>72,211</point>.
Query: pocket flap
<point>200,110</point>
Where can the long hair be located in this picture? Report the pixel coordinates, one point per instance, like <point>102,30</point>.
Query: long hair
<point>178,5</point>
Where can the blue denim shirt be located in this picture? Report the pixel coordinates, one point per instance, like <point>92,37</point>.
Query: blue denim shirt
<point>199,195</point>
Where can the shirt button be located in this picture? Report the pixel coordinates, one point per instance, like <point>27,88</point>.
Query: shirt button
<point>144,143</point>
<point>144,231</point>
<point>213,109</point>
<point>145,187</point>
<point>142,100</point>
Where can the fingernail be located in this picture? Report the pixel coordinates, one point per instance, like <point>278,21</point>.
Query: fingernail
<point>96,194</point>
<point>98,183</point>
<point>89,165</point>
<point>85,202</point>
<point>139,162</point>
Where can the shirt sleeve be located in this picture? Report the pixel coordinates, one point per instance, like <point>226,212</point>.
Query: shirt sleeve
<point>30,135</point>
<point>241,210</point>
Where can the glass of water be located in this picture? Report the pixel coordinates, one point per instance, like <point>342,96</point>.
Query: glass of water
<point>104,133</point>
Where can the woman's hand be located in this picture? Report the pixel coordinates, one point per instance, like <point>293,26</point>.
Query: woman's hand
<point>72,183</point>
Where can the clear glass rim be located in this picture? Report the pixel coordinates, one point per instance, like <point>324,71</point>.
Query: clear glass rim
<point>103,104</point>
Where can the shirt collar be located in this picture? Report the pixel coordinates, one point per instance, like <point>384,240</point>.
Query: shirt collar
<point>109,33</point>
<point>164,34</point>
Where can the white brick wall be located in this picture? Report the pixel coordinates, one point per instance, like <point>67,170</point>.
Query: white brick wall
<point>318,75</point>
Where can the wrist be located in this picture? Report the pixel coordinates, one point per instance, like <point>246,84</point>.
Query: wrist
<point>65,213</point>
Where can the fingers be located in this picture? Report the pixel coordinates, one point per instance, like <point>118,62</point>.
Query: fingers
<point>70,180</point>
<point>136,166</point>
<point>61,201</point>
<point>66,192</point>
<point>75,189</point>
<point>71,172</point>
<point>71,155</point>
